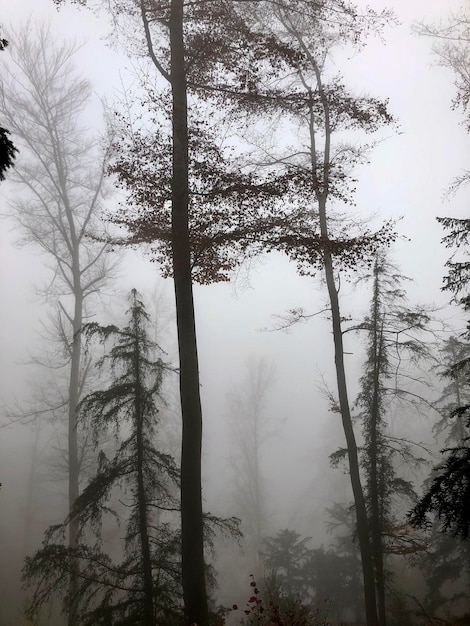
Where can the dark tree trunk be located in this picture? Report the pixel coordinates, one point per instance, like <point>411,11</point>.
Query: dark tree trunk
<point>359,500</point>
<point>321,184</point>
<point>194,587</point>
<point>73,456</point>
<point>376,494</point>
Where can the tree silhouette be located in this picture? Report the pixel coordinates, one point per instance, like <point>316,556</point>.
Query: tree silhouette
<point>449,492</point>
<point>146,583</point>
<point>60,177</point>
<point>7,148</point>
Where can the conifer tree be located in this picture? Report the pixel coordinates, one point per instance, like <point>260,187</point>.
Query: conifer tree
<point>144,587</point>
<point>448,495</point>
<point>394,342</point>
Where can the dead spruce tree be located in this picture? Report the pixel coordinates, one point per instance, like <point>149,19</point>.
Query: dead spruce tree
<point>396,346</point>
<point>144,586</point>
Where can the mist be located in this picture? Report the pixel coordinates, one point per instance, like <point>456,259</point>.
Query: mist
<point>280,530</point>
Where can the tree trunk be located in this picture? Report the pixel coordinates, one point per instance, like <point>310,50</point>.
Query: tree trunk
<point>375,483</point>
<point>321,185</point>
<point>359,501</point>
<point>74,463</point>
<point>194,587</point>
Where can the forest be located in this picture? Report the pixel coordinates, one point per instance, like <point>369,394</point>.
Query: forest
<point>235,365</point>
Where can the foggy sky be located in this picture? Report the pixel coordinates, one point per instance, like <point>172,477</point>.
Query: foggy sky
<point>407,178</point>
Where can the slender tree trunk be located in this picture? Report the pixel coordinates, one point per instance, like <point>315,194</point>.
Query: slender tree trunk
<point>149,613</point>
<point>321,186</point>
<point>194,588</point>
<point>376,496</point>
<point>74,463</point>
<point>30,519</point>
<point>359,500</point>
<point>375,482</point>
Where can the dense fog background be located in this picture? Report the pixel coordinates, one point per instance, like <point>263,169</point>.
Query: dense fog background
<point>237,322</point>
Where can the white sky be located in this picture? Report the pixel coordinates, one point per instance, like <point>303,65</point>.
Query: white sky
<point>407,177</point>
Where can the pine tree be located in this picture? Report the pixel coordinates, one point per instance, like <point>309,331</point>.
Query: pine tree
<point>448,496</point>
<point>144,587</point>
<point>394,342</point>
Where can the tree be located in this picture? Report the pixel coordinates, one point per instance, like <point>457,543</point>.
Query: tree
<point>7,152</point>
<point>323,108</point>
<point>251,74</point>
<point>61,176</point>
<point>393,332</point>
<point>247,404</point>
<point>451,47</point>
<point>448,495</point>
<point>313,579</point>
<point>144,588</point>
<point>284,558</point>
<point>456,391</point>
<point>187,45</point>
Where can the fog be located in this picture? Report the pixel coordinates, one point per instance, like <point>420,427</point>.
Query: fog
<point>243,324</point>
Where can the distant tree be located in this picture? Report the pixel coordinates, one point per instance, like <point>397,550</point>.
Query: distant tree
<point>451,47</point>
<point>342,526</point>
<point>456,391</point>
<point>323,582</point>
<point>284,560</point>
<point>446,563</point>
<point>249,430</point>
<point>143,588</point>
<point>61,180</point>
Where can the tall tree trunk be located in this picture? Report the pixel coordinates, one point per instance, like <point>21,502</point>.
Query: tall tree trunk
<point>74,463</point>
<point>29,517</point>
<point>359,500</point>
<point>194,587</point>
<point>321,178</point>
<point>375,482</point>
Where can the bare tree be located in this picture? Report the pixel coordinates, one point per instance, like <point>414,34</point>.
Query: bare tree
<point>249,421</point>
<point>451,47</point>
<point>328,115</point>
<point>61,177</point>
